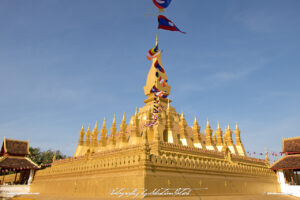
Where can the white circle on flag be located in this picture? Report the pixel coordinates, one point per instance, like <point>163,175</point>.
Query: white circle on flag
<point>171,24</point>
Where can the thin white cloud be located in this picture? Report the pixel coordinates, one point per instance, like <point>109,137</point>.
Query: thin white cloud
<point>220,78</point>
<point>238,73</point>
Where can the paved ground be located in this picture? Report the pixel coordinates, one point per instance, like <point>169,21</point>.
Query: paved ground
<point>238,197</point>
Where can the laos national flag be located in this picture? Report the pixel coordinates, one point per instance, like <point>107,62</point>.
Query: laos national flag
<point>166,24</point>
<point>161,4</point>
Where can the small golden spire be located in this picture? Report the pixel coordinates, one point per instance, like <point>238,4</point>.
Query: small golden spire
<point>104,124</point>
<point>95,135</point>
<point>114,120</point>
<point>196,126</point>
<point>182,116</point>
<point>208,133</point>
<point>214,138</point>
<point>88,136</point>
<point>82,131</point>
<point>207,123</point>
<point>103,136</point>
<point>96,126</point>
<point>168,103</point>
<point>123,119</point>
<point>236,126</point>
<point>123,125</point>
<point>228,136</point>
<point>113,131</point>
<point>219,139</point>
<point>135,111</point>
<point>237,135</point>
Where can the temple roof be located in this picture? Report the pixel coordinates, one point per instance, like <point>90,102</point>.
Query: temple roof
<point>14,147</point>
<point>17,163</point>
<point>291,145</point>
<point>287,162</point>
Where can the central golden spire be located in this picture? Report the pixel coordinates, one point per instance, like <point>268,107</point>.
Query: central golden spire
<point>157,78</point>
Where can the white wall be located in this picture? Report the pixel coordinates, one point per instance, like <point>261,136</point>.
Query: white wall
<point>286,188</point>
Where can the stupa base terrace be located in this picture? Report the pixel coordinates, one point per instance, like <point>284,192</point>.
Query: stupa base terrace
<point>139,168</point>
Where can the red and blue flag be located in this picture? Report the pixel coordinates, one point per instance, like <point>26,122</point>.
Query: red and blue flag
<point>161,4</point>
<point>166,24</point>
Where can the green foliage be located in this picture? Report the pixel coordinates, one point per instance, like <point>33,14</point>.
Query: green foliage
<point>44,157</point>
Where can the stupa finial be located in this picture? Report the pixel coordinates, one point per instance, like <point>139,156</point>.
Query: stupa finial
<point>157,80</point>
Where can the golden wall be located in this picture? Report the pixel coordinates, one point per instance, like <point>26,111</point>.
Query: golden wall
<point>137,166</point>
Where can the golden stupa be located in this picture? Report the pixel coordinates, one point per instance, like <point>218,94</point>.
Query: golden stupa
<point>149,160</point>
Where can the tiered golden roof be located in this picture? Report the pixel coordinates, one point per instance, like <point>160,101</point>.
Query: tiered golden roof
<point>171,127</point>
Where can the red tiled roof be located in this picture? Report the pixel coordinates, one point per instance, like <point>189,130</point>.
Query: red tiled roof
<point>291,145</point>
<point>17,162</point>
<point>287,162</point>
<point>14,147</point>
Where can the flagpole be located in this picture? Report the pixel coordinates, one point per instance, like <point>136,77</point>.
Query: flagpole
<point>157,32</point>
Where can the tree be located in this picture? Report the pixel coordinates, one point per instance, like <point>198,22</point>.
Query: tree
<point>44,157</point>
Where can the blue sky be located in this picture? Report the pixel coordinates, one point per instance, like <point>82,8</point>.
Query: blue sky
<point>68,63</point>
